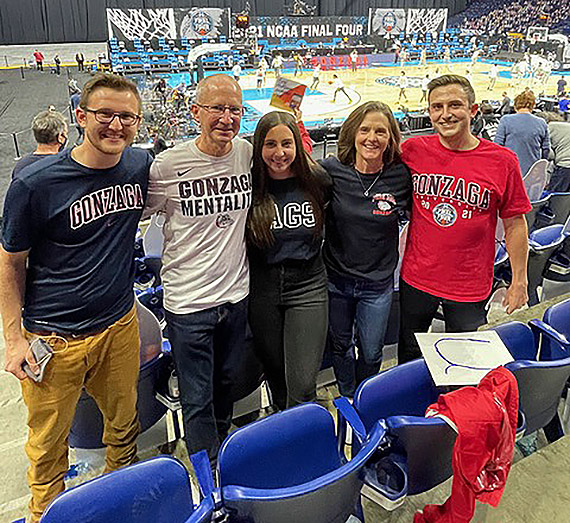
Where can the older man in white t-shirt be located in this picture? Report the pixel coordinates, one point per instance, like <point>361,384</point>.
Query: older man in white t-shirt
<point>203,187</point>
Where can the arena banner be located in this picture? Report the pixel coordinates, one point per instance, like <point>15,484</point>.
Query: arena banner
<point>273,28</point>
<point>202,22</point>
<point>385,22</point>
<point>192,23</point>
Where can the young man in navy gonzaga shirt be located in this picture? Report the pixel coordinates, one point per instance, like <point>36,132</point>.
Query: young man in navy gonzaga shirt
<point>66,274</point>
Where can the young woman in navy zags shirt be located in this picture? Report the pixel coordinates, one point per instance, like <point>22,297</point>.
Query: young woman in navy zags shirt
<point>288,306</point>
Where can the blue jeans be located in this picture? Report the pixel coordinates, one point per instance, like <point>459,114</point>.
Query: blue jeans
<point>358,314</point>
<point>206,345</point>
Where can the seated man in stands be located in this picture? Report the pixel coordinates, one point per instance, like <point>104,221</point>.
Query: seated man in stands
<point>50,133</point>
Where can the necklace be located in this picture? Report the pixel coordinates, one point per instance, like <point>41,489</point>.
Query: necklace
<point>364,189</point>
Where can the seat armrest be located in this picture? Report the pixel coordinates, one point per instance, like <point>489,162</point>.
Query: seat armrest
<point>203,471</point>
<point>541,328</point>
<point>347,414</point>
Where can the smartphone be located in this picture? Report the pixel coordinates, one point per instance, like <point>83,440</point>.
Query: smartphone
<point>42,354</point>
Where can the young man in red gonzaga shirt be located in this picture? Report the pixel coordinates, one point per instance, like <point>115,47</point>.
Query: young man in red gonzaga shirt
<point>461,186</point>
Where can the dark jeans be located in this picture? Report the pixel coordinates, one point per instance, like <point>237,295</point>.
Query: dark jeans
<point>288,309</point>
<point>205,347</point>
<point>560,180</point>
<point>358,314</point>
<point>417,310</point>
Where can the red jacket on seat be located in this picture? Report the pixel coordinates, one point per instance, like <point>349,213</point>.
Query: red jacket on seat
<point>486,420</point>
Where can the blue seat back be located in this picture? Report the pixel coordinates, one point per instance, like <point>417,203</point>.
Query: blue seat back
<point>282,450</point>
<point>558,317</point>
<point>540,387</point>
<point>407,389</point>
<point>519,339</point>
<point>156,490</point>
<point>427,446</point>
<point>287,468</point>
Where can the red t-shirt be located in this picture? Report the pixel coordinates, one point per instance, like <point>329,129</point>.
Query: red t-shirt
<point>458,195</point>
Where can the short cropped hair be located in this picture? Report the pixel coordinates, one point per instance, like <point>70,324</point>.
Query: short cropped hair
<point>450,79</point>
<point>525,100</point>
<point>47,126</point>
<point>109,81</point>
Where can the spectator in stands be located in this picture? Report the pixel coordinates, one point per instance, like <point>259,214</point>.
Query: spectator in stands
<point>73,256</point>
<point>39,58</point>
<point>505,107</point>
<point>371,191</point>
<point>80,59</point>
<point>462,185</point>
<point>50,133</point>
<point>559,152</point>
<point>57,63</point>
<point>288,302</point>
<point>205,271</point>
<point>490,122</point>
<point>524,133</point>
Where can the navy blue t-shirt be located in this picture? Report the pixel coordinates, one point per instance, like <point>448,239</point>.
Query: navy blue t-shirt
<point>29,159</point>
<point>294,227</point>
<point>79,225</point>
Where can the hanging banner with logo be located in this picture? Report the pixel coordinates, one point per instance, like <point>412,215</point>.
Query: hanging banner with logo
<point>309,28</point>
<point>387,21</point>
<point>202,22</point>
<point>193,23</point>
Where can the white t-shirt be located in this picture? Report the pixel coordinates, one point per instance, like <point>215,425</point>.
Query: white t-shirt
<point>236,70</point>
<point>205,200</point>
<point>425,83</point>
<point>402,82</point>
<point>338,83</point>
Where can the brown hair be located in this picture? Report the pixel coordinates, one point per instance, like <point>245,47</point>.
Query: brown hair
<point>450,79</point>
<point>525,100</point>
<point>347,135</point>
<point>110,81</point>
<point>262,211</point>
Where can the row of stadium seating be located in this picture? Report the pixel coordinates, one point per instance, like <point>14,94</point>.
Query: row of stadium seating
<point>294,462</point>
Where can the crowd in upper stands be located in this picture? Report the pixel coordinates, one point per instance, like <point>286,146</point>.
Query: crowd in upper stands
<point>497,16</point>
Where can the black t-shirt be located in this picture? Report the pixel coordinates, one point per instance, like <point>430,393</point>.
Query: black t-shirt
<point>294,227</point>
<point>29,159</point>
<point>79,225</point>
<point>361,232</point>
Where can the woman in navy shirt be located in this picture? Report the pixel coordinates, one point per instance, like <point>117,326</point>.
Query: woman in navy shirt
<point>288,306</point>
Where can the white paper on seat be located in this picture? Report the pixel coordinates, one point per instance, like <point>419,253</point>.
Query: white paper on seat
<point>462,358</point>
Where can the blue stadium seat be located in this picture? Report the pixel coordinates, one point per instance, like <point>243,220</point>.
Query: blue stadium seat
<point>156,490</point>
<point>287,467</point>
<point>418,456</point>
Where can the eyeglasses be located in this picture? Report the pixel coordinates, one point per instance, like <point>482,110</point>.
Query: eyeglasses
<point>219,110</point>
<point>106,116</point>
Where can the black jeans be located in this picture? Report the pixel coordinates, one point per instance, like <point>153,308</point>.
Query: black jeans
<point>206,346</point>
<point>417,310</point>
<point>288,310</point>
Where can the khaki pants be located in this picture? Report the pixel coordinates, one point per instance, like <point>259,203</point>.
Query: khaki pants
<point>107,365</point>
